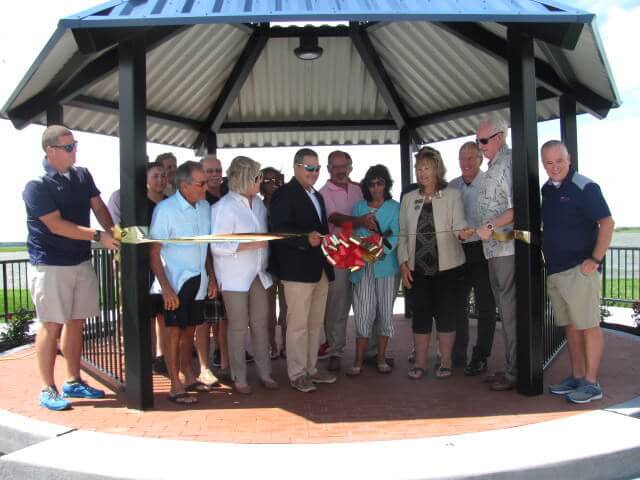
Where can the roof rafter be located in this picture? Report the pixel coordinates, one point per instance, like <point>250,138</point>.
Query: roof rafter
<point>496,46</point>
<point>247,60</point>
<point>80,74</point>
<point>306,126</point>
<point>372,61</point>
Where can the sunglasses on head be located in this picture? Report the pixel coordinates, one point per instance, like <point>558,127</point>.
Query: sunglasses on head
<point>69,147</point>
<point>309,168</point>
<point>376,183</point>
<point>484,141</point>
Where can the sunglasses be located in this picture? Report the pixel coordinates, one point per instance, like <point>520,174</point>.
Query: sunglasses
<point>69,147</point>
<point>276,181</point>
<point>309,168</point>
<point>484,141</point>
<point>376,183</point>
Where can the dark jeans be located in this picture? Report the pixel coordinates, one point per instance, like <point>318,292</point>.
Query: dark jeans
<point>476,274</point>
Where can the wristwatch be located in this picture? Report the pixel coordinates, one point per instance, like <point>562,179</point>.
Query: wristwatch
<point>595,260</point>
<point>96,235</point>
<point>490,226</point>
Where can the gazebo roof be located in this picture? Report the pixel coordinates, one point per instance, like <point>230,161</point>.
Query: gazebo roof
<point>227,66</point>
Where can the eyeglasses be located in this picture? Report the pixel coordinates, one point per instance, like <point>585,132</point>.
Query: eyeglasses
<point>69,147</point>
<point>199,184</point>
<point>276,181</point>
<point>213,170</point>
<point>309,168</point>
<point>376,183</point>
<point>484,141</point>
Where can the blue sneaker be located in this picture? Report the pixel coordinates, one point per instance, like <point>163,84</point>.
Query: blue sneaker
<point>567,385</point>
<point>79,389</point>
<point>585,393</point>
<point>51,399</point>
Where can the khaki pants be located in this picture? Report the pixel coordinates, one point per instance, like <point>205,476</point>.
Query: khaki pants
<point>248,309</point>
<point>306,303</point>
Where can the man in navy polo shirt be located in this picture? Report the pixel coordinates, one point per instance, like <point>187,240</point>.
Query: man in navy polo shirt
<point>577,232</point>
<point>63,284</point>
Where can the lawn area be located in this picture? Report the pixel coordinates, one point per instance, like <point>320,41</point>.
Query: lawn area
<point>16,300</point>
<point>13,249</point>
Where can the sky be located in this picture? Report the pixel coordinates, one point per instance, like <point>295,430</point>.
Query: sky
<point>607,150</point>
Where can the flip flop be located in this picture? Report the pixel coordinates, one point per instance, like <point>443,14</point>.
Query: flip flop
<point>183,399</point>
<point>443,372</point>
<point>416,373</point>
<point>354,371</point>
<point>384,368</point>
<point>197,387</point>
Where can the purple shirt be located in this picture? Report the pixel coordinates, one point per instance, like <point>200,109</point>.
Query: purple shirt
<point>340,200</point>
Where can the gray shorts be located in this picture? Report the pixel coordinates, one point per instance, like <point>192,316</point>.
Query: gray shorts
<point>61,294</point>
<point>575,298</point>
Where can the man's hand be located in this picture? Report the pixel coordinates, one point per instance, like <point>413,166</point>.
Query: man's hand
<point>108,242</point>
<point>589,266</point>
<point>484,233</point>
<point>314,239</point>
<point>212,288</point>
<point>466,233</point>
<point>407,278</point>
<point>171,300</point>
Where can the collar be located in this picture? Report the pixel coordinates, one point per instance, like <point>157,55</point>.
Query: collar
<point>295,180</point>
<point>50,171</point>
<point>499,154</point>
<point>568,179</point>
<point>240,198</point>
<point>182,202</point>
<point>332,186</point>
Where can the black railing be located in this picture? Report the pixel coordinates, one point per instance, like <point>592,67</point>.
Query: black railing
<point>15,288</point>
<point>621,276</point>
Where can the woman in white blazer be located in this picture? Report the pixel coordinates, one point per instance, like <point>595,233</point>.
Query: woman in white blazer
<point>432,224</point>
<point>241,271</point>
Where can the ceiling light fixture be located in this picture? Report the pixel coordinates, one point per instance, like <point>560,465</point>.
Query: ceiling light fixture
<point>308,49</point>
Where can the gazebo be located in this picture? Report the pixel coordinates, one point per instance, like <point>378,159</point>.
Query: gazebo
<point>232,73</point>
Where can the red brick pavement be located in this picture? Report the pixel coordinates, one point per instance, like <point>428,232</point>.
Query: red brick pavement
<point>369,407</point>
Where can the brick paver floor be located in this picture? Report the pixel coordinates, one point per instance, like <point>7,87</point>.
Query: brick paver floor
<point>369,407</point>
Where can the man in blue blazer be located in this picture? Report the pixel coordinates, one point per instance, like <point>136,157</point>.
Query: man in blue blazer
<point>297,207</point>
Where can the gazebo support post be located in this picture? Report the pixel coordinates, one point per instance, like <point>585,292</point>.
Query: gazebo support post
<point>135,259</point>
<point>55,114</point>
<point>405,175</point>
<point>568,126</point>
<point>212,143</point>
<point>526,200</point>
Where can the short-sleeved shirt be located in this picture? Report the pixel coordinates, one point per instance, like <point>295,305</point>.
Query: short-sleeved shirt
<point>175,217</point>
<point>496,197</point>
<point>570,214</point>
<point>339,200</point>
<point>470,199</point>
<point>72,197</point>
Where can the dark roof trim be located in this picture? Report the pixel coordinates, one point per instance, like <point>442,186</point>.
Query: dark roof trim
<point>306,126</point>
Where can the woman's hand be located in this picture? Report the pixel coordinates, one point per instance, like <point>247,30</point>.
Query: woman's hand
<point>212,288</point>
<point>407,277</point>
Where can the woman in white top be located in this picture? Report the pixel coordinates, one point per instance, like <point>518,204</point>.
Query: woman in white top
<point>241,271</point>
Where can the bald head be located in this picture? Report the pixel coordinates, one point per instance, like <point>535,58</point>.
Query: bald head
<point>555,160</point>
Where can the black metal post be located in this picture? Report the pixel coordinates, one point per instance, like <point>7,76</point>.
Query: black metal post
<point>568,126</point>
<point>55,114</point>
<point>526,199</point>
<point>405,174</point>
<point>212,143</point>
<point>133,201</point>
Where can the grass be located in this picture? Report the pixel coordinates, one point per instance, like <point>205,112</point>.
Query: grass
<point>626,289</point>
<point>13,249</point>
<point>627,230</point>
<point>16,300</point>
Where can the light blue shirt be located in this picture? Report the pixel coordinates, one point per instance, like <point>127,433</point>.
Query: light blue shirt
<point>470,200</point>
<point>175,217</point>
<point>312,195</point>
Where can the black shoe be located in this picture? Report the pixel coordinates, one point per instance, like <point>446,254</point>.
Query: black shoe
<point>334,364</point>
<point>216,359</point>
<point>476,367</point>
<point>248,357</point>
<point>159,366</point>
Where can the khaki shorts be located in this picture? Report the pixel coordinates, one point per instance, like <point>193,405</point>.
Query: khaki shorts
<point>575,298</point>
<point>61,294</point>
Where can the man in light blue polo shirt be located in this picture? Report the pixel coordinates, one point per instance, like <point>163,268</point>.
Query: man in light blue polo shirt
<point>476,268</point>
<point>184,274</point>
